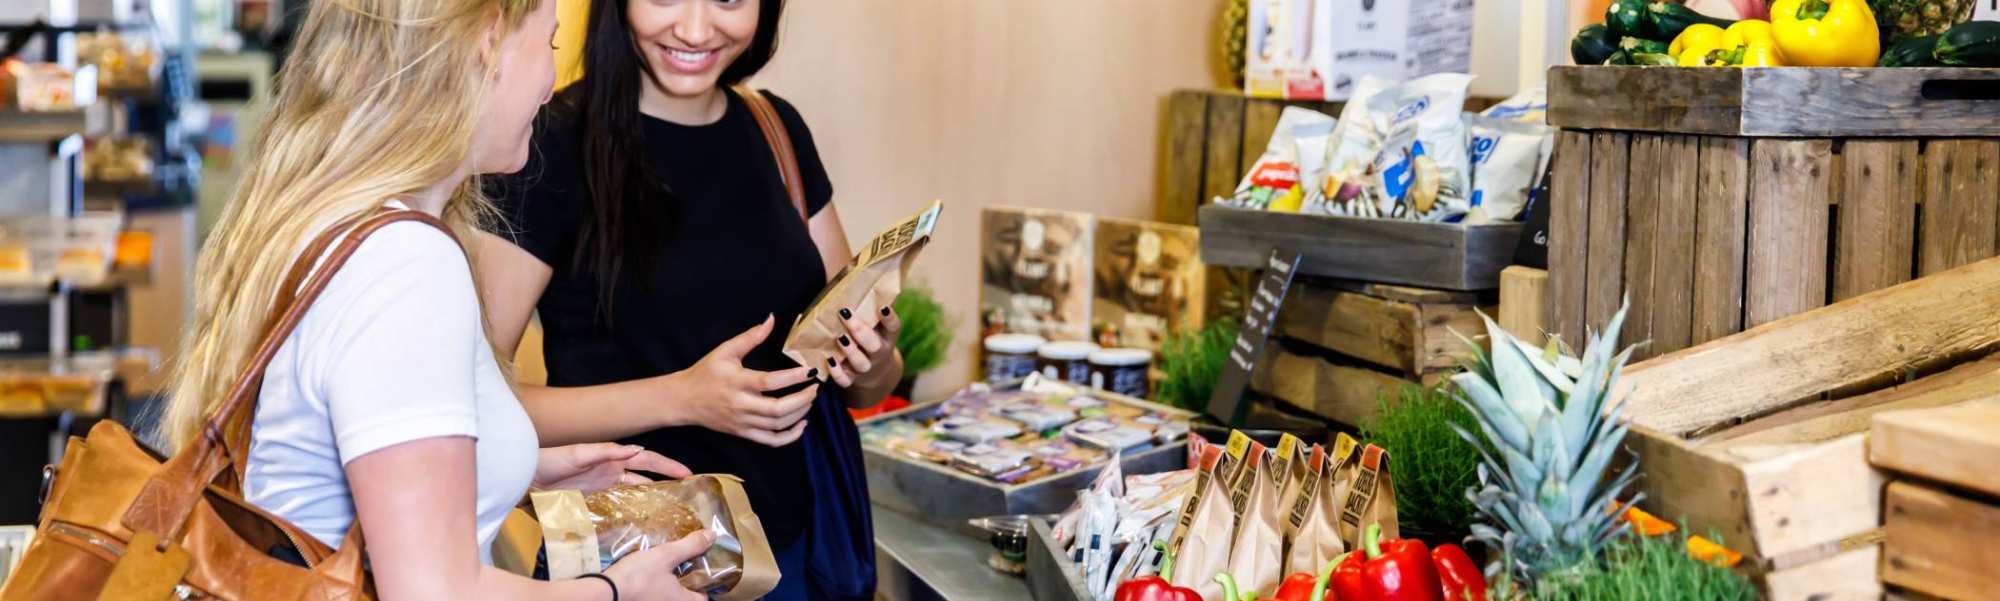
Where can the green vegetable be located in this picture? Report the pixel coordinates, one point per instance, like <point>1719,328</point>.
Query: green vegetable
<point>1653,60</point>
<point>1973,44</point>
<point>1619,58</point>
<point>1647,568</point>
<point>1592,45</point>
<point>1626,17</point>
<point>1665,20</point>
<point>1192,361</point>
<point>1434,467</point>
<point>1910,52</point>
<point>1636,46</point>
<point>926,333</point>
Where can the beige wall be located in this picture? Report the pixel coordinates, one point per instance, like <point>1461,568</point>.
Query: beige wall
<point>1040,103</point>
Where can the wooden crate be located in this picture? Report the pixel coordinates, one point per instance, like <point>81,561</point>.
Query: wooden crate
<point>1721,199</point>
<point>1733,436</point>
<point>1447,256</point>
<point>1941,543</point>
<point>1344,344</point>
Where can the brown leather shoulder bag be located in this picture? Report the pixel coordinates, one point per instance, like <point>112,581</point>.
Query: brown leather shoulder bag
<point>119,523</point>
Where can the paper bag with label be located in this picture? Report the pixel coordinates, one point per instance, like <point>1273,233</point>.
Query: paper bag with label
<point>1365,494</point>
<point>585,534</point>
<point>1207,526</point>
<point>1257,557</point>
<point>1311,525</point>
<point>867,285</point>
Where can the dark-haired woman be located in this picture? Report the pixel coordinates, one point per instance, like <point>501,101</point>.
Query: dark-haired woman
<point>655,234</point>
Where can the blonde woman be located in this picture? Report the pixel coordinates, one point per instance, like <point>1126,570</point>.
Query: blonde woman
<point>386,406</point>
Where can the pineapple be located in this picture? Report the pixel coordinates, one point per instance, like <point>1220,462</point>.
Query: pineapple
<point>1547,439</point>
<point>1235,37</point>
<point>1900,19</point>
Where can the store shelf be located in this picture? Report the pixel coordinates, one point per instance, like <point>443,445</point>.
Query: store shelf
<point>950,564</point>
<point>20,127</point>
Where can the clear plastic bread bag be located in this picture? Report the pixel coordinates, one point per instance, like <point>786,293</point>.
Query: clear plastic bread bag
<point>625,519</point>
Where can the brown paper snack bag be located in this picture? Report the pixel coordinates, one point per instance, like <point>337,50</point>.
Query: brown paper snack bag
<point>867,285</point>
<point>1312,533</point>
<point>1366,496</point>
<point>1207,526</point>
<point>1290,466</point>
<point>587,533</point>
<point>1257,557</point>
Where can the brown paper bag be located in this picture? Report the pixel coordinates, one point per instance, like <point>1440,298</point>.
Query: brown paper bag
<point>1290,465</point>
<point>1311,526</point>
<point>586,533</point>
<point>1366,495</point>
<point>1207,526</point>
<point>864,287</point>
<point>1257,557</point>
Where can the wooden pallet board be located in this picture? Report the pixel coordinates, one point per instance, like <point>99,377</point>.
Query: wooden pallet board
<point>1398,329</point>
<point>1941,543</point>
<point>1569,223</point>
<point>1958,445</point>
<point>1432,255</point>
<point>1776,102</point>
<point>1342,393</point>
<point>1721,232</point>
<point>1849,576</point>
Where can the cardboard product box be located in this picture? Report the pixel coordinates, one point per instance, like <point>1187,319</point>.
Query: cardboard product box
<point>1035,273</point>
<point>1150,281</point>
<point>1319,49</point>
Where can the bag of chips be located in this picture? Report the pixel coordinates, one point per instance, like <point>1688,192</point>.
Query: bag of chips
<point>1257,557</point>
<point>865,287</point>
<point>1506,155</point>
<point>586,533</point>
<point>1424,168</point>
<point>1364,493</point>
<point>1274,181</point>
<point>1311,524</point>
<point>1205,526</point>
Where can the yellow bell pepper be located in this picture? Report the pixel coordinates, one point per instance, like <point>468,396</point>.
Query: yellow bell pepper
<point>1742,33</point>
<point>1826,33</point>
<point>1698,34</point>
<point>1761,53</point>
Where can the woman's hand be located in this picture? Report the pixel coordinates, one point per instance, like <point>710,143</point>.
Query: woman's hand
<point>648,575</point>
<point>871,357</point>
<point>594,467</point>
<point>720,394</point>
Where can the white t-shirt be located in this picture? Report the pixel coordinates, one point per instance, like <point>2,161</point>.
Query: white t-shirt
<point>391,352</point>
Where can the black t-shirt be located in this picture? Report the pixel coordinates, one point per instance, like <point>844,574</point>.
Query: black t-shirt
<point>737,251</point>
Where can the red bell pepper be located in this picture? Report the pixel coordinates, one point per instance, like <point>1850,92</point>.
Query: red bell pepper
<point>1462,580</point>
<point>1156,588</point>
<point>1296,587</point>
<point>1392,570</point>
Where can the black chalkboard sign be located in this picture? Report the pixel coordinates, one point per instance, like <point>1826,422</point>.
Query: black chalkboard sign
<point>1533,248</point>
<point>1226,402</point>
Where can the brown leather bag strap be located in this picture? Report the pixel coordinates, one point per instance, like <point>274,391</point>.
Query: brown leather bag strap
<point>781,145</point>
<point>169,497</point>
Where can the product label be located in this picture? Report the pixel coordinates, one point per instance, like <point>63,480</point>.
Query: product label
<point>1246,476</point>
<point>1363,493</point>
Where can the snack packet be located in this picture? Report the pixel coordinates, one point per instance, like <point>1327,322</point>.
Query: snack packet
<point>1274,179</point>
<point>1257,556</point>
<point>585,534</point>
<point>1350,158</point>
<point>1311,525</point>
<point>867,285</point>
<point>1364,493</point>
<point>1289,464</point>
<point>1206,526</point>
<point>1425,171</point>
<point>1506,155</point>
<point>1529,106</point>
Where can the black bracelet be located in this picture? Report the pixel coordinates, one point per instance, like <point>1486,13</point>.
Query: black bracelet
<point>607,582</point>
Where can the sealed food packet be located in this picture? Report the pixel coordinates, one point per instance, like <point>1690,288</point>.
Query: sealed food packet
<point>1311,523</point>
<point>1506,155</point>
<point>1349,174</point>
<point>1206,526</point>
<point>865,287</point>
<point>1529,106</point>
<point>1424,167</point>
<point>1273,182</point>
<point>1364,494</point>
<point>1257,556</point>
<point>1289,464</point>
<point>586,533</point>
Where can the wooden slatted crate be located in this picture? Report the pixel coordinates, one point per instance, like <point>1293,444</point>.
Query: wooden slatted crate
<point>1344,345</point>
<point>1733,437</point>
<point>1721,199</point>
<point>1940,522</point>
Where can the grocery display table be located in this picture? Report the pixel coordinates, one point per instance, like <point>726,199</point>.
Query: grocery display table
<point>918,561</point>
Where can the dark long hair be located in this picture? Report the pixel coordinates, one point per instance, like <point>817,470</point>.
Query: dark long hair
<point>630,205</point>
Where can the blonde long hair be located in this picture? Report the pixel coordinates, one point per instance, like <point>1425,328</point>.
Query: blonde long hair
<point>378,100</point>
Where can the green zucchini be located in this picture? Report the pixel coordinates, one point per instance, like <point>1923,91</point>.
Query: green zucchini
<point>1910,52</point>
<point>1626,17</point>
<point>1619,58</point>
<point>1634,46</point>
<point>1592,45</point>
<point>1970,44</point>
<point>1651,59</point>
<point>1665,20</point>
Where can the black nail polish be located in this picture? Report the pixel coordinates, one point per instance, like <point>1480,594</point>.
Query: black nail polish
<point>885,311</point>
<point>812,374</point>
<point>843,341</point>
<point>845,314</point>
<point>832,362</point>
